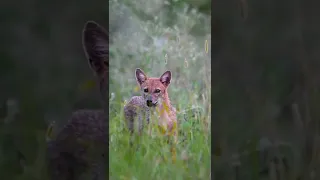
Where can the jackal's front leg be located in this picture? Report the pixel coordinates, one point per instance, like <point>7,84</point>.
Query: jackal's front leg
<point>141,123</point>
<point>149,124</point>
<point>173,143</point>
<point>149,129</point>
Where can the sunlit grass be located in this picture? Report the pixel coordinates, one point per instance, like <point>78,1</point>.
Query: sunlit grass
<point>150,156</point>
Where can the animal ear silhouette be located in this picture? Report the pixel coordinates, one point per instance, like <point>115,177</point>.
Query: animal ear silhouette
<point>166,78</point>
<point>141,77</point>
<point>95,40</point>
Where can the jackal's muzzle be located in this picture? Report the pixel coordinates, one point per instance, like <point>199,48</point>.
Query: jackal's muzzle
<point>151,104</point>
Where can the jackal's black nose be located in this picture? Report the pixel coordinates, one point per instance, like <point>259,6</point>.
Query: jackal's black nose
<point>149,103</point>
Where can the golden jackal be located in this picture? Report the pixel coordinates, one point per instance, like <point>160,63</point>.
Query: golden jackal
<point>154,98</point>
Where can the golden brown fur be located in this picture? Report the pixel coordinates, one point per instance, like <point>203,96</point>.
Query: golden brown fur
<point>154,99</point>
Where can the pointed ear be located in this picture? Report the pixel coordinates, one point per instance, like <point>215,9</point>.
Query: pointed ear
<point>140,76</point>
<point>166,78</point>
<point>95,40</point>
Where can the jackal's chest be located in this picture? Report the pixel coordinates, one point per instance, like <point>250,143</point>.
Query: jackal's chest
<point>166,124</point>
<point>168,129</point>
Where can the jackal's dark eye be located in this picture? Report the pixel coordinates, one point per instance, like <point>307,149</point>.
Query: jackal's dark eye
<point>145,90</point>
<point>157,91</point>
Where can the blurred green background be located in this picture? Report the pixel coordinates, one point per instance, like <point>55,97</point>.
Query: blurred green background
<point>265,89</point>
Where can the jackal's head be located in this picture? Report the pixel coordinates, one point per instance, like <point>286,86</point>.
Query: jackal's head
<point>153,90</point>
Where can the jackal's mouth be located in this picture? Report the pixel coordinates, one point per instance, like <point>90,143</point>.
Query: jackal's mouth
<point>150,104</point>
